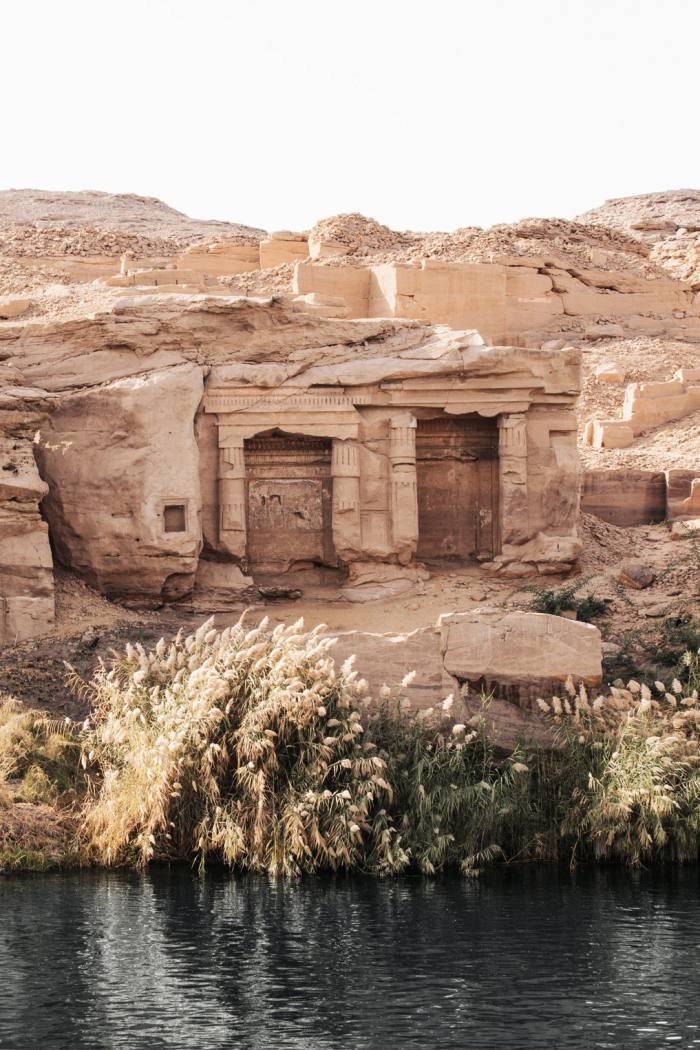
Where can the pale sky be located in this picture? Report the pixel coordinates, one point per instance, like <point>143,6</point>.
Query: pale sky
<point>425,114</point>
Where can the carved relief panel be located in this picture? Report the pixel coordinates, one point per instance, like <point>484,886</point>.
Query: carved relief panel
<point>288,501</point>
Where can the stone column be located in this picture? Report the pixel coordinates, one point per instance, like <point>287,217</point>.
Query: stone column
<point>512,467</point>
<point>404,488</point>
<point>345,471</point>
<point>232,530</point>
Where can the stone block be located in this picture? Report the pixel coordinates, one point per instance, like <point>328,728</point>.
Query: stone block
<point>688,376</point>
<point>609,372</point>
<point>625,497</point>
<point>278,250</point>
<point>349,283</point>
<point>320,249</point>
<point>384,659</point>
<point>523,654</point>
<point>10,306</point>
<point>636,574</point>
<point>611,433</point>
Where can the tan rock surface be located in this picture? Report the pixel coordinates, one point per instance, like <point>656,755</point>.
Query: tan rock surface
<point>115,459</point>
<point>26,576</point>
<point>531,653</point>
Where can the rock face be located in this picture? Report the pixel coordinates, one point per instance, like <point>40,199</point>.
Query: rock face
<point>26,568</point>
<point>518,299</point>
<point>669,222</point>
<point>512,657</point>
<point>124,499</point>
<point>625,497</point>
<point>85,220</point>
<point>288,442</point>
<point>650,216</point>
<point>291,443</point>
<point>523,653</point>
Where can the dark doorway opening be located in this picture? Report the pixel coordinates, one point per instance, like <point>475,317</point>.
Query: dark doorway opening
<point>457,473</point>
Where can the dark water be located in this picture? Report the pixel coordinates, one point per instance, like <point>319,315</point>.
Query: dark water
<point>530,958</point>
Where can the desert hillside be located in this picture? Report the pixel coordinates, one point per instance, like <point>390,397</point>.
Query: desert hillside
<point>36,222</point>
<point>668,222</point>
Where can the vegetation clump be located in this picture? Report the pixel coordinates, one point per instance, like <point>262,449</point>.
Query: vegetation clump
<point>39,777</point>
<point>242,745</point>
<point>635,760</point>
<point>557,601</point>
<point>251,748</point>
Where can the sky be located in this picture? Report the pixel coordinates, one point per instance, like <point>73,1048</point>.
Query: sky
<point>424,115</point>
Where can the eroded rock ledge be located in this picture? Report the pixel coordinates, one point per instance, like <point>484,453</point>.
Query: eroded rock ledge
<point>269,446</point>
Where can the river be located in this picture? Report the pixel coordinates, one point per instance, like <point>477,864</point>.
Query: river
<point>520,958</point>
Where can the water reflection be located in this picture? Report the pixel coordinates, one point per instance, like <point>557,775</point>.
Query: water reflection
<point>528,958</point>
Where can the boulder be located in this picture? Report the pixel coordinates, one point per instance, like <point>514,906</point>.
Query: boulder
<point>220,585</point>
<point>636,574</point>
<point>385,659</point>
<point>608,433</point>
<point>520,654</point>
<point>610,372</point>
<point>684,530</point>
<point>373,581</point>
<point>122,466</point>
<point>12,307</point>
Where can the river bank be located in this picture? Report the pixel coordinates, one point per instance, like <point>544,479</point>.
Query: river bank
<point>250,747</point>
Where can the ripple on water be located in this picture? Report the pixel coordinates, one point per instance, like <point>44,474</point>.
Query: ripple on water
<point>529,958</point>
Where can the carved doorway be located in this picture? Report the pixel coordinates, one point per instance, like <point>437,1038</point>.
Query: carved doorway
<point>457,474</point>
<point>289,493</point>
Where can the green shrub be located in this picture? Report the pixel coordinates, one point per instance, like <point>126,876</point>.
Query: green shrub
<point>565,599</point>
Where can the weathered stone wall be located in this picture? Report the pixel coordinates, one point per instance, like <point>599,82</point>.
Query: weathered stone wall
<point>142,472</point>
<point>26,567</point>
<point>647,405</point>
<point>119,460</point>
<point>513,301</point>
<point>625,497</point>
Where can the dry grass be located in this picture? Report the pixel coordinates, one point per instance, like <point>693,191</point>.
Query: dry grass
<point>39,763</point>
<point>636,756</point>
<point>251,748</point>
<point>242,745</point>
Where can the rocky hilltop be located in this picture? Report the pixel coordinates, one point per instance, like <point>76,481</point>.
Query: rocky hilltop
<point>668,222</point>
<point>89,222</point>
<point>649,216</point>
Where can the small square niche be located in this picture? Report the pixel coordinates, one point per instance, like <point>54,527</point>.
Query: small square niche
<point>174,517</point>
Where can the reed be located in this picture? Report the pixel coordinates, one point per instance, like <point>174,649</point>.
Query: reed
<point>242,744</point>
<point>252,748</point>
<point>637,753</point>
